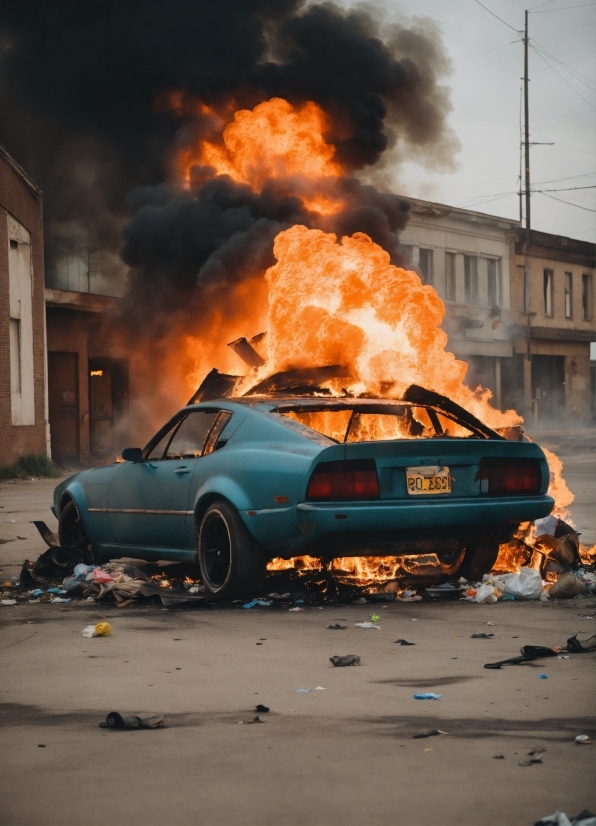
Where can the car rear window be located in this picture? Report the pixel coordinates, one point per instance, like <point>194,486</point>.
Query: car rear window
<point>357,424</point>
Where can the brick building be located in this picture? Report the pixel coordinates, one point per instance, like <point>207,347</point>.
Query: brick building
<point>554,324</point>
<point>23,387</point>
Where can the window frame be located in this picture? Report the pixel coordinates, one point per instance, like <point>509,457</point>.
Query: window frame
<point>548,292</point>
<point>587,296</point>
<point>497,298</point>
<point>429,275</point>
<point>450,275</point>
<point>471,279</point>
<point>568,295</point>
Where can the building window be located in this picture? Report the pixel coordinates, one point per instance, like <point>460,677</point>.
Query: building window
<point>568,295</point>
<point>425,265</point>
<point>548,293</point>
<point>471,279</point>
<point>493,269</point>
<point>407,251</point>
<point>586,296</point>
<point>450,276</point>
<point>22,387</point>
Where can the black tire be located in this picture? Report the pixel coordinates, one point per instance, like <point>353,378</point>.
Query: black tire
<point>232,564</point>
<point>451,561</point>
<point>72,533</point>
<point>479,560</point>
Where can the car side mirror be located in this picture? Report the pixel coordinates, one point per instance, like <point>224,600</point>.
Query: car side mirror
<point>132,454</point>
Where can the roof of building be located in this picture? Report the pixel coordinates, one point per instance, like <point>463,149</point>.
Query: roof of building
<point>557,247</point>
<point>29,182</point>
<point>432,209</point>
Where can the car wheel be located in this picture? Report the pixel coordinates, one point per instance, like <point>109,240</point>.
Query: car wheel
<point>479,560</point>
<point>72,533</point>
<point>231,563</point>
<point>451,561</point>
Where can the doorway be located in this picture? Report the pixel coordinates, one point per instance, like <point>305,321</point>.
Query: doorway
<point>108,402</point>
<point>63,397</point>
<point>548,389</point>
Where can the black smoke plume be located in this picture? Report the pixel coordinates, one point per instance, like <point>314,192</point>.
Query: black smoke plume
<point>82,87</point>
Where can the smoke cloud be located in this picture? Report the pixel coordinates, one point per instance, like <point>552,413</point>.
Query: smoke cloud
<point>93,98</point>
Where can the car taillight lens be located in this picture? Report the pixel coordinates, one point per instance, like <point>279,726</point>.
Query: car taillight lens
<point>350,479</point>
<point>510,476</point>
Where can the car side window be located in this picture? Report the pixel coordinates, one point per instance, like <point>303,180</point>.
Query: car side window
<point>189,439</point>
<point>158,449</point>
<point>213,440</point>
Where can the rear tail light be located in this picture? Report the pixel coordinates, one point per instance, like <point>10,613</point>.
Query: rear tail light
<point>350,479</point>
<point>510,476</point>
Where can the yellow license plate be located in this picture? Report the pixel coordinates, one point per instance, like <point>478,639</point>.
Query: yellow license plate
<point>428,480</point>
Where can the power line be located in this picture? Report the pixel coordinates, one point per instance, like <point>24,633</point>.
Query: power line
<point>567,178</point>
<point>496,15</point>
<point>463,57</point>
<point>569,203</point>
<point>565,189</point>
<point>561,76</point>
<point>577,75</point>
<point>566,8</point>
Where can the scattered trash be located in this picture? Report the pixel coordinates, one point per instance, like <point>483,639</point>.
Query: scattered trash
<point>56,591</point>
<point>543,677</point>
<point>367,625</point>
<point>295,609</point>
<point>491,623</point>
<point>254,602</point>
<point>81,571</point>
<point>303,690</point>
<point>583,740</point>
<point>428,696</point>
<point>535,758</point>
<point>102,629</point>
<point>262,709</point>
<point>561,819</point>
<point>482,636</point>
<point>320,688</point>
<point>567,586</point>
<point>60,600</point>
<point>404,642</point>
<point>445,591</point>
<point>528,653</point>
<point>101,576</point>
<point>498,756</point>
<point>361,601</point>
<point>337,627</point>
<point>115,720</point>
<point>580,646</point>
<point>250,722</point>
<point>347,659</point>
<point>375,618</point>
<point>525,585</point>
<point>8,602</point>
<point>48,536</point>
<point>431,732</point>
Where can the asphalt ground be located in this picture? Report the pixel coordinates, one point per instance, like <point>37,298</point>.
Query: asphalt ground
<point>343,755</point>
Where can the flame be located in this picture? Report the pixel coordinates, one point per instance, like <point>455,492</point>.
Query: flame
<point>329,300</point>
<point>275,141</point>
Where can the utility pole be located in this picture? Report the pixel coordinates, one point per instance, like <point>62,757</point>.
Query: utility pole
<point>527,180</point>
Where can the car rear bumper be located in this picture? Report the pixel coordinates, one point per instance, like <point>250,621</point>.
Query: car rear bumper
<point>393,527</point>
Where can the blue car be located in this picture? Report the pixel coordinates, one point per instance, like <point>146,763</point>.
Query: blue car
<point>231,483</point>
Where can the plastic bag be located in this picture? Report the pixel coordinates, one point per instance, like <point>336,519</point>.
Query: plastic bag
<point>525,585</point>
<point>486,593</point>
<point>102,629</point>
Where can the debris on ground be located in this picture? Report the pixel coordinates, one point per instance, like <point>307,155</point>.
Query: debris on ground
<point>347,659</point>
<point>430,732</point>
<point>482,636</point>
<point>404,642</point>
<point>567,586</point>
<point>102,629</point>
<point>428,696</point>
<point>337,627</point>
<point>584,818</point>
<point>583,740</point>
<point>116,720</point>
<point>250,722</point>
<point>367,625</point>
<point>262,709</point>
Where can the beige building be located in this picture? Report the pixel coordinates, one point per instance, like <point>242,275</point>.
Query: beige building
<point>466,256</point>
<point>553,326</point>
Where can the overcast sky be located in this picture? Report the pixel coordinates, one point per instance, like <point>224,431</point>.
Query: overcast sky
<point>487,68</point>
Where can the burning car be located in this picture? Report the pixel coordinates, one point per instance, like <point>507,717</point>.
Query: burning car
<point>289,469</point>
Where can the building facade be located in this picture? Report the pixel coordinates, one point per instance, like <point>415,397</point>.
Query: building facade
<point>554,325</point>
<point>23,388</point>
<point>88,385</point>
<point>466,256</point>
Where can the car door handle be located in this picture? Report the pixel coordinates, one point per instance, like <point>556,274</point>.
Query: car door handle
<point>182,470</point>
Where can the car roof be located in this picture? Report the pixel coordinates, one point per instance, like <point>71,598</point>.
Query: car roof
<point>268,403</point>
